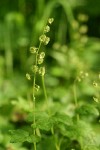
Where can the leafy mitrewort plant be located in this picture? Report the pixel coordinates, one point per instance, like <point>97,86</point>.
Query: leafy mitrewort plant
<point>37,68</point>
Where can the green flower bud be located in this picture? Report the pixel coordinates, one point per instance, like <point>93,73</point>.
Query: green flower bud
<point>83,29</point>
<point>83,17</point>
<point>75,24</point>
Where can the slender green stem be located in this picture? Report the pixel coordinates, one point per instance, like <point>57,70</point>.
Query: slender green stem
<point>57,147</point>
<point>8,50</point>
<point>34,96</point>
<point>34,105</point>
<point>46,98</point>
<point>58,144</point>
<point>34,146</point>
<point>34,82</point>
<point>75,98</point>
<point>75,95</point>
<point>44,89</point>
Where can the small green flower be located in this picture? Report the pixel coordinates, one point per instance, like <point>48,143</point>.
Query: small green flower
<point>50,20</point>
<point>37,87</point>
<point>42,55</point>
<point>42,38</point>
<point>40,61</point>
<point>42,71</point>
<point>83,17</point>
<point>47,29</point>
<point>28,76</point>
<point>47,40</point>
<point>35,68</point>
<point>33,50</point>
<point>83,29</point>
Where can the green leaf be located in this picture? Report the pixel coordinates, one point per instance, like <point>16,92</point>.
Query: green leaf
<point>42,120</point>
<point>18,135</point>
<point>47,143</point>
<point>87,110</point>
<point>62,118</point>
<point>38,115</point>
<point>44,123</point>
<point>82,132</point>
<point>33,138</point>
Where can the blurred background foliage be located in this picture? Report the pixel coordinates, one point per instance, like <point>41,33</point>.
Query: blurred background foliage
<point>72,58</point>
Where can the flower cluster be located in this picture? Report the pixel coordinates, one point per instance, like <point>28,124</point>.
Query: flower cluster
<point>82,75</point>
<point>40,55</point>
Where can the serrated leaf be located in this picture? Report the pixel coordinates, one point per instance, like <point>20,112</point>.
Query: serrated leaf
<point>62,118</point>
<point>18,135</point>
<point>87,110</point>
<point>82,132</point>
<point>42,121</point>
<point>30,117</point>
<point>33,138</point>
<point>44,124</point>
